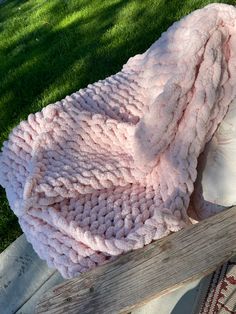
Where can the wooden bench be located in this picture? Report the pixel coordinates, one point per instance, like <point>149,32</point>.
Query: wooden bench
<point>142,275</point>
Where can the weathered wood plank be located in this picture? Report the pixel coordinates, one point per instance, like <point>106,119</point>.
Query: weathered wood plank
<point>21,274</point>
<point>139,276</point>
<point>29,306</point>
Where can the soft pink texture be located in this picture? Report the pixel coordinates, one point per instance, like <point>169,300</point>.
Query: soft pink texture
<point>112,167</point>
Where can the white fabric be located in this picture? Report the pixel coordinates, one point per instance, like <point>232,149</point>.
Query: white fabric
<point>218,166</point>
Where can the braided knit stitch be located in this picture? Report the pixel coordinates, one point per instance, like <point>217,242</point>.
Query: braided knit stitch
<point>112,167</point>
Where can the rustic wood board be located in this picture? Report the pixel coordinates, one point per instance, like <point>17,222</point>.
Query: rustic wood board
<point>22,273</point>
<point>29,306</point>
<point>139,276</point>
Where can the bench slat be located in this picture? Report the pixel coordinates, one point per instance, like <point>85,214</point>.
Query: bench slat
<point>22,273</point>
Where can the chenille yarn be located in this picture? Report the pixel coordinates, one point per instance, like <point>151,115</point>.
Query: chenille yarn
<point>112,167</point>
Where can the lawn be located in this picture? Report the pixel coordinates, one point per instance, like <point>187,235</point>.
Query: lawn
<point>49,49</point>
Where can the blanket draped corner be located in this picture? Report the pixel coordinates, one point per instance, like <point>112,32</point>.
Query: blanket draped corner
<point>112,167</point>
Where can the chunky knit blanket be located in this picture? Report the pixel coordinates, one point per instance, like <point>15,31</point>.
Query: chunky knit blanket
<point>112,167</point>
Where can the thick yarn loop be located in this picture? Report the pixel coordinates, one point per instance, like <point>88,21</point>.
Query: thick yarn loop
<point>112,167</point>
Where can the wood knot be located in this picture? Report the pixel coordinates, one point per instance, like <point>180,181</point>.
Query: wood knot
<point>165,246</point>
<point>68,299</point>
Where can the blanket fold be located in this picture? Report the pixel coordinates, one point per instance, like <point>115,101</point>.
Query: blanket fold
<point>112,167</point>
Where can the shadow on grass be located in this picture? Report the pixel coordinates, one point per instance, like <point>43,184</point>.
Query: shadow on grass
<point>9,228</point>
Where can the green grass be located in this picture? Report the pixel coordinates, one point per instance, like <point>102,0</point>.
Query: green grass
<point>49,49</point>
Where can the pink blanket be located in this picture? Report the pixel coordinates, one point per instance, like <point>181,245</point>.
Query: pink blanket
<point>112,167</point>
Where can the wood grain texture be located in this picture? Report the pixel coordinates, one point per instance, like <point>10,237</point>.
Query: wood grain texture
<point>22,273</point>
<point>29,306</point>
<point>139,276</point>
